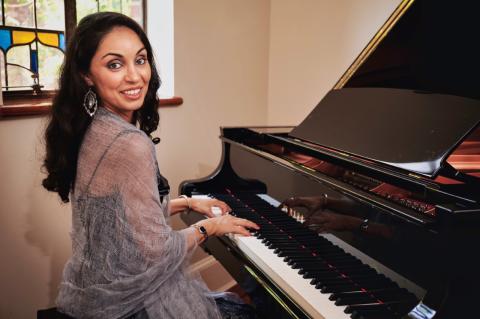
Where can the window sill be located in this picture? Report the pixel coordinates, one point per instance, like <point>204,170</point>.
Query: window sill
<point>29,107</point>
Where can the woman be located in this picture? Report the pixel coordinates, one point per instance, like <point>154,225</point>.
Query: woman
<point>127,261</point>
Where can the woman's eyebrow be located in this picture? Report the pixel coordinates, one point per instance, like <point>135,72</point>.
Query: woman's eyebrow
<point>119,55</point>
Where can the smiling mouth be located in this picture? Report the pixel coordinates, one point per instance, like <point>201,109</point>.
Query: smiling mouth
<point>133,93</point>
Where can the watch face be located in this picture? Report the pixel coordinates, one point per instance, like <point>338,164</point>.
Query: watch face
<point>203,230</point>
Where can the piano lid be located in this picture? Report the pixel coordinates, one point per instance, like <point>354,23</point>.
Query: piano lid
<point>412,95</point>
<point>427,45</point>
<point>410,130</point>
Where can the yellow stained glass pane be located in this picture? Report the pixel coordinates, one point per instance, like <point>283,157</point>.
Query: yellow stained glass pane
<point>22,37</point>
<point>48,38</point>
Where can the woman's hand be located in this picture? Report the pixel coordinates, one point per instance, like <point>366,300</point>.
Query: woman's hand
<point>225,224</point>
<point>312,203</point>
<point>204,206</point>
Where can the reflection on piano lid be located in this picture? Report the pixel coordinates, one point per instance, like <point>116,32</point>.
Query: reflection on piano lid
<point>398,140</point>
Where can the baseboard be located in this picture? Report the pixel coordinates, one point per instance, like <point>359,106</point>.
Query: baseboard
<point>215,276</point>
<point>202,264</point>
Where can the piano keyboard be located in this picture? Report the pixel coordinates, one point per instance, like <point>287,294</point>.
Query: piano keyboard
<point>320,277</point>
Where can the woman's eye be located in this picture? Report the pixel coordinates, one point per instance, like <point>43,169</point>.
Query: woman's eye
<point>114,65</point>
<point>141,61</point>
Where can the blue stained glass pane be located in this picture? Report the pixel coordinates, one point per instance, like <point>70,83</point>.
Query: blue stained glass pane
<point>61,41</point>
<point>5,39</point>
<point>34,61</point>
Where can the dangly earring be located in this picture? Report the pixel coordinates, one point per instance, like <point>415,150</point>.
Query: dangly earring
<point>90,102</point>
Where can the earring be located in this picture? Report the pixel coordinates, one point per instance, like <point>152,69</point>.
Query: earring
<point>90,102</point>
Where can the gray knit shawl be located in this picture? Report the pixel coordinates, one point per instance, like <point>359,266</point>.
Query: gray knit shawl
<point>126,257</point>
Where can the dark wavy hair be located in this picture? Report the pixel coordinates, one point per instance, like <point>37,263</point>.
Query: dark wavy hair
<point>68,119</point>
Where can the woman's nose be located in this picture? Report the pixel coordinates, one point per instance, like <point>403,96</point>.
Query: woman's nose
<point>132,74</point>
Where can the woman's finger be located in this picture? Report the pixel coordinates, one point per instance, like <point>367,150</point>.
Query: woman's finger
<point>242,230</point>
<point>222,206</point>
<point>246,223</point>
<point>225,208</point>
<point>210,213</point>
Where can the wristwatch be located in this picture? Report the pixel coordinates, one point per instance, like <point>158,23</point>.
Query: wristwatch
<point>202,230</point>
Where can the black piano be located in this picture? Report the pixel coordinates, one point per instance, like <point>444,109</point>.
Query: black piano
<point>385,179</point>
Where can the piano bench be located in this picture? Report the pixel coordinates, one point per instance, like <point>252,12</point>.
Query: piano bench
<point>51,313</point>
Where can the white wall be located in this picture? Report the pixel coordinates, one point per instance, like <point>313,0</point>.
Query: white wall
<point>243,62</point>
<point>34,242</point>
<point>312,43</point>
<point>160,32</point>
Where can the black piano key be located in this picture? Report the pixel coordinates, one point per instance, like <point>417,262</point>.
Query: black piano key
<point>346,269</point>
<point>284,253</point>
<point>314,256</point>
<point>319,275</point>
<point>378,293</point>
<point>359,280</point>
<point>362,308</point>
<point>367,297</point>
<point>403,307</point>
<point>393,307</point>
<point>340,265</point>
<point>357,277</point>
<point>355,300</point>
<point>331,288</point>
<point>328,265</point>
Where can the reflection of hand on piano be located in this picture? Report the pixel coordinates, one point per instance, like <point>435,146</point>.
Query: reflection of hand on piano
<point>341,215</point>
<point>324,222</point>
<point>311,203</point>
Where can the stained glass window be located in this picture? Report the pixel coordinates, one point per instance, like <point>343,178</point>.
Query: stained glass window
<point>32,42</point>
<point>32,39</point>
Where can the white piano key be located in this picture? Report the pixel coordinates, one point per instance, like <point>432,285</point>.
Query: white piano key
<point>305,295</point>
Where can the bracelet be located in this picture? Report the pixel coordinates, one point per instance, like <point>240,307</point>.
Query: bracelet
<point>202,230</point>
<point>187,199</point>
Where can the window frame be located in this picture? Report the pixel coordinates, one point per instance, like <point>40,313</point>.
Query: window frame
<point>28,103</point>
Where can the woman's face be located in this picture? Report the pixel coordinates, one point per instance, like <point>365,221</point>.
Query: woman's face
<point>120,72</point>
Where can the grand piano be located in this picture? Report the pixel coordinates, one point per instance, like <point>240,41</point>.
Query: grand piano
<point>385,179</point>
